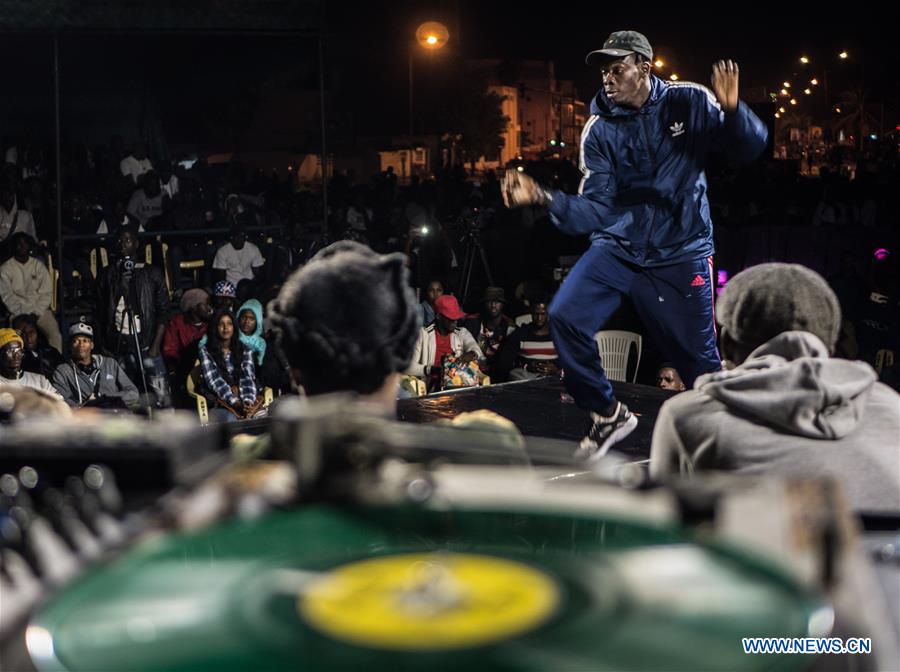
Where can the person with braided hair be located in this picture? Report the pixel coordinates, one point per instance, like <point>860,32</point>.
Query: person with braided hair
<point>348,321</point>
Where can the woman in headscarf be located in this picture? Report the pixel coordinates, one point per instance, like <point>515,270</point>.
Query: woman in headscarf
<point>250,326</point>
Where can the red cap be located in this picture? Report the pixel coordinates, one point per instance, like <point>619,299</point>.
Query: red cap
<point>448,306</point>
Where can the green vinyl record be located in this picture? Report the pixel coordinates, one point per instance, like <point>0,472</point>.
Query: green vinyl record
<point>326,587</point>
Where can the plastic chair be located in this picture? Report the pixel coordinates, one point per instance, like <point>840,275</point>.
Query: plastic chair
<point>614,347</point>
<point>103,255</point>
<point>523,319</point>
<point>416,386</point>
<point>54,283</point>
<point>194,265</point>
<point>192,384</point>
<point>884,359</point>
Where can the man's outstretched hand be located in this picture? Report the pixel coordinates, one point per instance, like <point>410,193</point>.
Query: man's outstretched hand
<point>518,189</point>
<point>725,84</point>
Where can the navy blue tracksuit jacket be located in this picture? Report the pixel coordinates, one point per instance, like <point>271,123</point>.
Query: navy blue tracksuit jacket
<point>643,201</point>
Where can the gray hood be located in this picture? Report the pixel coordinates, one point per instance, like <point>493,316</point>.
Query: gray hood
<point>791,383</point>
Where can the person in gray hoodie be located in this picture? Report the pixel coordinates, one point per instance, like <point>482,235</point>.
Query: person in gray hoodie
<point>783,405</point>
<point>92,380</point>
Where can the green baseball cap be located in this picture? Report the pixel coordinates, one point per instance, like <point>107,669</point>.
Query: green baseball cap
<point>620,44</point>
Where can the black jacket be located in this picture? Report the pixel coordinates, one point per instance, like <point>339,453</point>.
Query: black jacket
<point>147,289</point>
<point>44,360</point>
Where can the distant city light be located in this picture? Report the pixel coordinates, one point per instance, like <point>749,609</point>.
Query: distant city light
<point>804,59</point>
<point>658,63</point>
<point>807,91</point>
<point>784,92</point>
<point>838,110</point>
<point>787,85</point>
<point>778,115</point>
<point>814,82</point>
<point>553,143</point>
<point>843,54</point>
<point>431,39</point>
<point>562,144</point>
<point>781,109</point>
<point>673,77</point>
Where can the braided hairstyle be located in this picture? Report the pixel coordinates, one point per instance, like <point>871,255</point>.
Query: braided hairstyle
<point>347,319</point>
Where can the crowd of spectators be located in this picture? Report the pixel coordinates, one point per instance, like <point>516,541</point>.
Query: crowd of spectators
<point>171,266</point>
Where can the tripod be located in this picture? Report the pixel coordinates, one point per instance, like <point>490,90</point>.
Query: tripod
<point>474,252</point>
<point>128,278</point>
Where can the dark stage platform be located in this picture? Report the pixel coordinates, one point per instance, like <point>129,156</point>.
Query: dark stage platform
<point>536,408</point>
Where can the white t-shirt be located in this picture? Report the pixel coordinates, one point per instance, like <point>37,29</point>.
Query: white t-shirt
<point>123,321</point>
<point>239,264</point>
<point>22,219</point>
<point>144,208</point>
<point>133,168</point>
<point>171,187</point>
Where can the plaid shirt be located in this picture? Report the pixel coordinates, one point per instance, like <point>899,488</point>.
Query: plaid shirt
<point>220,387</point>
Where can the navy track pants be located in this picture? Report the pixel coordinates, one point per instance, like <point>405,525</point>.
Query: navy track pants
<point>675,304</point>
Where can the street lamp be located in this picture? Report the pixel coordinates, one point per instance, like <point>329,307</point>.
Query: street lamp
<point>804,60</point>
<point>659,63</point>
<point>843,55</point>
<point>673,77</point>
<point>431,35</point>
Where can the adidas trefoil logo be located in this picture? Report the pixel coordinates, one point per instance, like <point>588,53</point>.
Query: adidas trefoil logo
<point>677,129</point>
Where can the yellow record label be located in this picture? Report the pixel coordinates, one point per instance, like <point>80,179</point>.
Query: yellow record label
<point>421,601</point>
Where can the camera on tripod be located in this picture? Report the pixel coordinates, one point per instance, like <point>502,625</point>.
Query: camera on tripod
<point>127,265</point>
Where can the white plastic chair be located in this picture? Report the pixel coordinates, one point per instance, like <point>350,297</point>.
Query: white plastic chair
<point>614,348</point>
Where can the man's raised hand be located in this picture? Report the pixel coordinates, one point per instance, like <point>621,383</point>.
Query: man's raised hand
<point>725,84</point>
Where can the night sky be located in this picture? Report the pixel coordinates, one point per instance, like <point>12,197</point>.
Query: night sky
<point>366,52</point>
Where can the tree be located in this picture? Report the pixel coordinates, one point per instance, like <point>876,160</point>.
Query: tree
<point>475,114</point>
<point>856,117</point>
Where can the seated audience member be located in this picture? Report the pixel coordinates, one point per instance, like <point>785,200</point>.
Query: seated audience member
<point>668,378</point>
<point>433,290</point>
<point>444,337</point>
<point>347,321</point>
<point>92,380</point>
<point>224,296</point>
<point>250,327</point>
<point>228,372</point>
<point>785,406</point>
<point>238,259</point>
<point>491,327</point>
<point>136,164</point>
<point>529,351</point>
<point>39,357</point>
<point>148,202</point>
<point>12,218</point>
<point>26,288</point>
<point>184,331</point>
<point>12,352</point>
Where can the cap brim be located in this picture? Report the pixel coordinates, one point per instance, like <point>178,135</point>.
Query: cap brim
<point>600,56</point>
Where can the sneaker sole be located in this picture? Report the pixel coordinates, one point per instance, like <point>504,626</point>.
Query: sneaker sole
<point>614,438</point>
